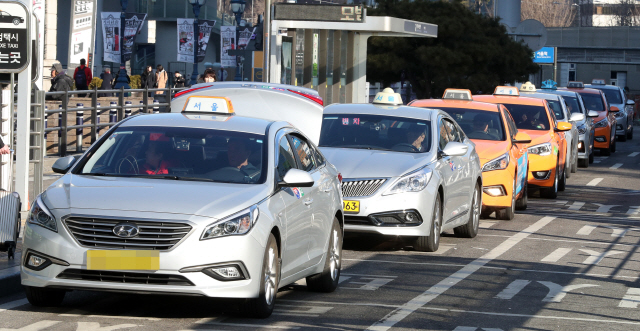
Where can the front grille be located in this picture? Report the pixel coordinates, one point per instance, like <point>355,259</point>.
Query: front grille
<point>361,188</point>
<point>125,277</point>
<point>98,233</point>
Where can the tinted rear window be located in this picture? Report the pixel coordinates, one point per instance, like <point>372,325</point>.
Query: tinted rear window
<point>556,107</point>
<point>592,101</point>
<point>613,96</point>
<point>529,117</point>
<point>572,104</point>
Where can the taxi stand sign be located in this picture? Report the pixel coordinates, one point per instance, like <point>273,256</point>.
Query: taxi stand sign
<point>15,38</point>
<point>506,90</point>
<point>457,94</point>
<point>208,105</point>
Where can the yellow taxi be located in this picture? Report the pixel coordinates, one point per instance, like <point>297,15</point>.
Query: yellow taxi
<point>501,148</point>
<point>548,149</point>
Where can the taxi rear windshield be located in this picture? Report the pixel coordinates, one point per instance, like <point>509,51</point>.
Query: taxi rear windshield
<point>529,117</point>
<point>572,104</point>
<point>613,96</point>
<point>179,154</point>
<point>556,107</point>
<point>592,101</point>
<point>376,132</point>
<point>476,124</point>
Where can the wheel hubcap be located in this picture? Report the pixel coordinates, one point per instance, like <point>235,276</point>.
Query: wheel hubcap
<point>476,208</point>
<point>270,274</point>
<point>334,255</point>
<point>436,223</point>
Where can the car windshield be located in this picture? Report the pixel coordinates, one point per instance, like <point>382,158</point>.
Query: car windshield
<point>592,101</point>
<point>572,104</point>
<point>613,96</point>
<point>529,117</point>
<point>477,124</point>
<point>376,132</point>
<point>179,154</point>
<point>556,107</point>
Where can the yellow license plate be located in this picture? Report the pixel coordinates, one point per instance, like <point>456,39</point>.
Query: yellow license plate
<point>351,206</point>
<point>123,260</point>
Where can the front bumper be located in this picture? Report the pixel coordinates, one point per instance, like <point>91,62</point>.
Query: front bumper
<point>545,164</point>
<point>602,137</point>
<point>191,252</point>
<point>500,179</point>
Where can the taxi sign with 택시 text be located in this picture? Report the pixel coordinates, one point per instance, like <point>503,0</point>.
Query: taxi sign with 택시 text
<point>211,105</point>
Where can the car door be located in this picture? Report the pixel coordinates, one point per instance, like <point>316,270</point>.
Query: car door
<point>295,215</point>
<point>312,197</point>
<point>445,168</point>
<point>461,168</point>
<point>517,152</point>
<point>323,209</point>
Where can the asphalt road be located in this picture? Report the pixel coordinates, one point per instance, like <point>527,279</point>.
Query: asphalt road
<point>565,264</point>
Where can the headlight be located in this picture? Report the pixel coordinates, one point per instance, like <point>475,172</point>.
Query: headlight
<point>236,224</point>
<point>413,182</point>
<point>619,113</point>
<point>40,215</point>
<point>582,129</point>
<point>601,124</point>
<point>542,149</point>
<point>498,163</point>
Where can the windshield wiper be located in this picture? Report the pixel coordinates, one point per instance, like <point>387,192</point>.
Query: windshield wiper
<point>97,174</point>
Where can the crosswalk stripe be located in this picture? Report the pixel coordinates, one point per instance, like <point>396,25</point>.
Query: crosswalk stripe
<point>13,304</point>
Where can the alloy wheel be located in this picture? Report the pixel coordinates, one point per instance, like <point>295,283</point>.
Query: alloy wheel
<point>436,224</point>
<point>476,208</point>
<point>270,274</point>
<point>334,258</point>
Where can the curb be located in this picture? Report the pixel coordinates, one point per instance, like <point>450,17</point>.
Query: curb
<point>10,281</point>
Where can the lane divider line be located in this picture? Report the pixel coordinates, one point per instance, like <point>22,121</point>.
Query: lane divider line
<point>634,154</point>
<point>595,181</point>
<point>429,295</point>
<point>616,166</point>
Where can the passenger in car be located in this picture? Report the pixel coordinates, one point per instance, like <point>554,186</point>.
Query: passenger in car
<point>415,136</point>
<point>155,162</point>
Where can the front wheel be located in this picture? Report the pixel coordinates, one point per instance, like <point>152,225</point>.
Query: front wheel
<point>507,214</point>
<point>584,163</point>
<point>613,145</point>
<point>470,229</point>
<point>521,204</point>
<point>44,297</point>
<point>551,192</point>
<point>432,242</point>
<point>574,164</point>
<point>630,133</point>
<point>327,280</point>
<point>562,183</point>
<point>262,306</point>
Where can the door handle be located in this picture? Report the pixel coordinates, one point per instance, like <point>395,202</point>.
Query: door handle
<point>308,202</point>
<point>327,190</point>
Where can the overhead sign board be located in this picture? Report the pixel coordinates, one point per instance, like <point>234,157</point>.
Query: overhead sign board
<point>15,41</point>
<point>327,13</point>
<point>421,28</point>
<point>544,55</point>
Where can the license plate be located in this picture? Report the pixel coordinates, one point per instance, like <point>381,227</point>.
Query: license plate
<point>351,206</point>
<point>123,260</point>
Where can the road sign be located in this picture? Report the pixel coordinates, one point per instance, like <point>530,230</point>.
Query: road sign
<point>544,55</point>
<point>15,41</point>
<point>327,13</point>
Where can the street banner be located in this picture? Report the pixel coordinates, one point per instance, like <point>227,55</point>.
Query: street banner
<point>186,40</point>
<point>83,21</point>
<point>245,36</point>
<point>228,42</point>
<point>111,34</point>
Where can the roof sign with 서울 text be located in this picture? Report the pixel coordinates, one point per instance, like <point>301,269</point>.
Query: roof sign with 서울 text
<point>213,105</point>
<point>15,41</point>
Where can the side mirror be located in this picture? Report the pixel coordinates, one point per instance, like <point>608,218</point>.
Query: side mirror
<point>630,102</point>
<point>563,126</point>
<point>521,138</point>
<point>577,117</point>
<point>592,113</point>
<point>455,149</point>
<point>63,164</point>
<point>296,178</point>
<point>614,109</point>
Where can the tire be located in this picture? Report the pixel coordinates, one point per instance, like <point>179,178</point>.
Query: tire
<point>583,163</point>
<point>574,164</point>
<point>432,242</point>
<point>551,192</point>
<point>591,157</point>
<point>44,297</point>
<point>613,147</point>
<point>562,183</point>
<point>521,204</point>
<point>327,280</point>
<point>509,213</point>
<point>630,133</point>
<point>470,230</point>
<point>262,306</point>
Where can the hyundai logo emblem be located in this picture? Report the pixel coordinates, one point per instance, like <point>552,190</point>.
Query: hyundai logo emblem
<point>126,230</point>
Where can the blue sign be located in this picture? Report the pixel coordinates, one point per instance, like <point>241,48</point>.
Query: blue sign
<point>544,55</point>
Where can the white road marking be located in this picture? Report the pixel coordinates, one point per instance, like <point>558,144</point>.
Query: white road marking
<point>80,313</point>
<point>576,205</point>
<point>594,181</point>
<point>309,311</point>
<point>486,224</point>
<point>512,289</point>
<point>94,326</point>
<point>634,154</point>
<point>586,230</point>
<point>461,311</point>
<point>616,166</point>
<point>558,292</point>
<point>633,210</point>
<point>556,255</point>
<point>615,231</point>
<point>595,257</point>
<point>443,249</point>
<point>341,279</point>
<point>350,274</point>
<point>604,208</point>
<point>570,241</point>
<point>405,310</point>
<point>372,285</point>
<point>252,326</point>
<point>37,326</point>
<point>13,304</point>
<point>631,299</point>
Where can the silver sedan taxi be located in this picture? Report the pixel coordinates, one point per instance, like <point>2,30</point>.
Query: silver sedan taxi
<point>616,97</point>
<point>407,171</point>
<point>202,202</point>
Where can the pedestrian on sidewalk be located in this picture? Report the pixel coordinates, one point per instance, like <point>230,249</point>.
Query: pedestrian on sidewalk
<point>148,79</point>
<point>4,149</point>
<point>178,80</point>
<point>82,76</point>
<point>161,78</point>
<point>107,78</point>
<point>60,82</point>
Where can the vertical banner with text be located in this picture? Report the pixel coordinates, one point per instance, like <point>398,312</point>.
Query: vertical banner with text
<point>186,39</point>
<point>111,34</point>
<point>228,42</point>
<point>83,20</point>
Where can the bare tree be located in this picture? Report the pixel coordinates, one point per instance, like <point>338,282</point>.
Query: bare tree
<point>625,13</point>
<point>552,13</point>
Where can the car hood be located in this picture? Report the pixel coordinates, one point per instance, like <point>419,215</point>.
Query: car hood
<point>489,149</point>
<point>539,136</point>
<point>206,199</point>
<point>362,163</point>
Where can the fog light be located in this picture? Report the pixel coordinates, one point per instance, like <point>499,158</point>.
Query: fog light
<point>410,217</point>
<point>541,174</point>
<point>225,272</point>
<point>494,191</point>
<point>601,139</point>
<point>36,262</point>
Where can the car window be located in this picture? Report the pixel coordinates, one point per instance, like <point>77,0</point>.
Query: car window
<point>305,154</point>
<point>556,107</point>
<point>613,96</point>
<point>513,130</point>
<point>572,103</point>
<point>529,117</point>
<point>452,131</point>
<point>320,160</point>
<point>592,101</point>
<point>478,124</point>
<point>443,136</point>
<point>286,160</point>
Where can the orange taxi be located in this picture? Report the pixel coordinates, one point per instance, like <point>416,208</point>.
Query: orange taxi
<point>501,148</point>
<point>548,149</point>
<point>605,123</point>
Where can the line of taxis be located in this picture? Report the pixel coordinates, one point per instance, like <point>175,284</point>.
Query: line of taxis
<point>224,198</point>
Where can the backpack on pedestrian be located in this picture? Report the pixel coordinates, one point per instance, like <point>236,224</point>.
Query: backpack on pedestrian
<point>81,78</point>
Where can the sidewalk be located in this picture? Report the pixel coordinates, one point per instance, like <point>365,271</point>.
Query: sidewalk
<point>10,272</point>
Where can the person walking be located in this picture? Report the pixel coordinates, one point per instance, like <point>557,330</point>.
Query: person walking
<point>148,79</point>
<point>161,78</point>
<point>60,82</point>
<point>178,80</point>
<point>107,78</point>
<point>82,76</point>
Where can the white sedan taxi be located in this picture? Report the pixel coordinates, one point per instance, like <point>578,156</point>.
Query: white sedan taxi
<point>408,171</point>
<point>202,202</point>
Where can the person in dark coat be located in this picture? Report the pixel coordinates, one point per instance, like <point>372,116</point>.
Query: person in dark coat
<point>4,149</point>
<point>148,79</point>
<point>59,81</point>
<point>178,80</point>
<point>107,78</point>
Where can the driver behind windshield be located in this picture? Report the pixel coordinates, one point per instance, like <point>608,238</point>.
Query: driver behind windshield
<point>415,137</point>
<point>155,159</point>
<point>238,155</point>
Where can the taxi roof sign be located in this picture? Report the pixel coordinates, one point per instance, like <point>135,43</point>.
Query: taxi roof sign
<point>506,90</point>
<point>598,81</point>
<point>573,84</point>
<point>457,94</point>
<point>208,105</point>
<point>527,87</point>
<point>549,85</point>
<point>388,97</point>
